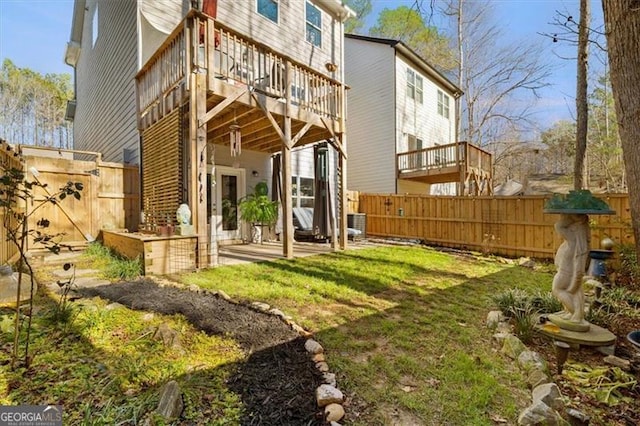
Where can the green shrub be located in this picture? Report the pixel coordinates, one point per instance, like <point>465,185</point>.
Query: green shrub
<point>115,267</point>
<point>613,304</point>
<point>546,303</point>
<point>628,272</point>
<point>124,269</point>
<point>522,308</point>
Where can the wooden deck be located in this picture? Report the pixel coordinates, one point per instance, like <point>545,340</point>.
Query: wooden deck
<point>254,85</point>
<point>460,162</point>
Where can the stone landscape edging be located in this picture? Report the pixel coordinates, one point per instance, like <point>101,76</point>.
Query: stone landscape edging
<point>547,400</point>
<point>328,395</point>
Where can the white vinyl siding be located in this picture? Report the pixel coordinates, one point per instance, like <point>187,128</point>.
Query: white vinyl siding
<point>418,119</point>
<point>242,16</point>
<point>105,118</point>
<point>289,35</point>
<point>371,115</point>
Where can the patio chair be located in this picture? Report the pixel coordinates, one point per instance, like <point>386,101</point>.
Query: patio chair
<point>303,227</point>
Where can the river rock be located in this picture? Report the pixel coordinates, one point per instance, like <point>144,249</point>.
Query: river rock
<point>549,393</point>
<point>538,413</point>
<point>530,360</point>
<point>333,412</point>
<point>170,405</point>
<point>513,347</point>
<point>313,347</point>
<point>494,318</point>
<point>327,394</point>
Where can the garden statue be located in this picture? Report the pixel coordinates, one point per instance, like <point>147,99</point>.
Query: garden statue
<point>183,215</point>
<point>572,255</point>
<point>571,259</point>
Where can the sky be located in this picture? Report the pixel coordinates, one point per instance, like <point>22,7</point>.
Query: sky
<point>34,33</point>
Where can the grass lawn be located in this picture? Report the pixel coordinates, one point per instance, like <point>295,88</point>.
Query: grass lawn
<point>403,328</point>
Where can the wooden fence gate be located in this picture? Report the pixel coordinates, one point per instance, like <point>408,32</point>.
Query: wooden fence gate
<point>109,199</point>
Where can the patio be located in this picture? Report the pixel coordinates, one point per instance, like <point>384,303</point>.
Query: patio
<point>272,250</point>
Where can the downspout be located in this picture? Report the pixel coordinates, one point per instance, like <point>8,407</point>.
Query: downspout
<point>395,121</point>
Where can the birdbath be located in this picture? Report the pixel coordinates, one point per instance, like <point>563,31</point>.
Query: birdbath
<point>571,261</point>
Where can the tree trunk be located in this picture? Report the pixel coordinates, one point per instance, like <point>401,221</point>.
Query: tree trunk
<point>582,107</point>
<point>622,27</point>
<point>461,66</point>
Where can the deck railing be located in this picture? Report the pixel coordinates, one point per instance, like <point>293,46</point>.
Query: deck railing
<point>202,44</point>
<point>457,154</point>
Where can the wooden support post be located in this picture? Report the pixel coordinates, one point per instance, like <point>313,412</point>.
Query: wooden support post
<point>287,198</point>
<point>342,166</point>
<point>198,163</point>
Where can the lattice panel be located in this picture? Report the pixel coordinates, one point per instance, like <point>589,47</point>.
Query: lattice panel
<point>162,173</point>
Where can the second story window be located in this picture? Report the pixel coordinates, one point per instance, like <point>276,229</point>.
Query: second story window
<point>94,26</point>
<point>443,104</point>
<point>314,25</point>
<point>414,85</point>
<point>268,9</point>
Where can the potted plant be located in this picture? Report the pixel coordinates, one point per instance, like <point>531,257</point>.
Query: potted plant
<point>258,210</point>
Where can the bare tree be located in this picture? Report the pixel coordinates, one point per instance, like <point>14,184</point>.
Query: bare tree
<point>622,25</point>
<point>582,107</point>
<point>500,79</point>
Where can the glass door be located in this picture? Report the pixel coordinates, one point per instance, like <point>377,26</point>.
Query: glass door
<point>230,188</point>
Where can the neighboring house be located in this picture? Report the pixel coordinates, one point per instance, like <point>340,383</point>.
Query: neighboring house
<point>402,121</point>
<point>203,93</point>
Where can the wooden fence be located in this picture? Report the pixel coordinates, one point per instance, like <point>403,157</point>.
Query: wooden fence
<point>109,199</point>
<point>8,160</point>
<point>507,226</point>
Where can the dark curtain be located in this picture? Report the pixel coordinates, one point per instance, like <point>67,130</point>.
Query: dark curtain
<point>322,211</point>
<point>276,186</point>
<point>276,189</point>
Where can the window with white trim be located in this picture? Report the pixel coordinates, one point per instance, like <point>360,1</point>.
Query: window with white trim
<point>415,144</point>
<point>414,85</point>
<point>443,104</point>
<point>302,191</point>
<point>94,26</point>
<point>314,25</point>
<point>268,9</point>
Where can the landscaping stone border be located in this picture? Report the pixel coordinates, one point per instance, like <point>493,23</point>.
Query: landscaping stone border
<point>547,400</point>
<point>328,395</point>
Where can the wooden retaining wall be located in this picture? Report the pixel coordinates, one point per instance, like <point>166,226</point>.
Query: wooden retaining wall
<point>507,226</point>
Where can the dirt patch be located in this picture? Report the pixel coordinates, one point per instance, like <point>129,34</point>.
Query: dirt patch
<point>277,382</point>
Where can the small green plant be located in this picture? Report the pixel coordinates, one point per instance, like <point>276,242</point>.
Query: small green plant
<point>257,209</point>
<point>522,308</point>
<point>64,312</point>
<point>124,269</point>
<point>511,300</point>
<point>114,266</point>
<point>524,320</point>
<point>614,304</point>
<point>545,302</point>
<point>628,272</point>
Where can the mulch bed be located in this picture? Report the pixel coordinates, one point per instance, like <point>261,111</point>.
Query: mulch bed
<point>278,379</point>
